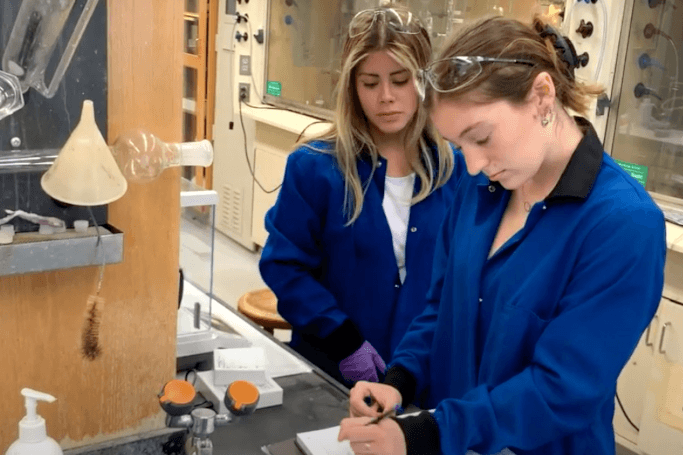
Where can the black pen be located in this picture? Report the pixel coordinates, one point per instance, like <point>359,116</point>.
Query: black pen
<point>370,401</point>
<point>379,418</point>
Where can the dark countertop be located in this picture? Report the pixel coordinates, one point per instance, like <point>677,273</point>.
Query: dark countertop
<point>311,401</point>
<point>168,441</point>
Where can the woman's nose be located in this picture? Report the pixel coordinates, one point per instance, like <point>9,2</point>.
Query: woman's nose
<point>474,161</point>
<point>386,93</point>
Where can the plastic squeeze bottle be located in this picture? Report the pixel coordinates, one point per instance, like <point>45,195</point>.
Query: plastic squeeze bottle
<point>33,438</point>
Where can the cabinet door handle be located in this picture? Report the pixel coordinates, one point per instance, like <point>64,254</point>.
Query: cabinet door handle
<point>649,331</point>
<point>647,335</point>
<point>661,340</point>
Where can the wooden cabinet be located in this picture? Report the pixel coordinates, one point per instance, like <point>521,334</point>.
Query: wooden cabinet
<point>199,78</point>
<point>42,314</point>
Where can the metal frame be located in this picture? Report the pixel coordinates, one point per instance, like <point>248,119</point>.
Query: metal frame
<point>33,252</point>
<point>620,69</point>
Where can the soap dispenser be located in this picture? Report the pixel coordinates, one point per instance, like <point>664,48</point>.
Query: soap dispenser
<point>33,439</point>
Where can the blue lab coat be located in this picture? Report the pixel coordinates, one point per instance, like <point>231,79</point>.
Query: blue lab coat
<point>339,285</point>
<point>522,350</point>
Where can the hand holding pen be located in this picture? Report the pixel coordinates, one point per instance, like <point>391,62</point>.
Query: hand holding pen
<point>378,435</point>
<point>371,399</point>
<point>389,413</point>
<point>368,429</point>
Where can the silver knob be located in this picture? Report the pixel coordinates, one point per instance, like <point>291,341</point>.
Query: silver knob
<point>203,422</point>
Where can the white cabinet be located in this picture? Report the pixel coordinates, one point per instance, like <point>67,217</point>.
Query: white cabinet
<point>650,386</point>
<point>272,146</point>
<point>632,386</point>
<point>270,169</point>
<point>661,430</point>
<point>233,146</point>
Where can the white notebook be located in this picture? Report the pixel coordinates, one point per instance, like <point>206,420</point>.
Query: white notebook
<point>323,442</point>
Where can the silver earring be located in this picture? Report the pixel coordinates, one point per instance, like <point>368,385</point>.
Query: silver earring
<point>545,121</point>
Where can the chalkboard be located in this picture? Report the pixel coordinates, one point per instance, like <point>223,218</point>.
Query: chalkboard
<point>47,123</point>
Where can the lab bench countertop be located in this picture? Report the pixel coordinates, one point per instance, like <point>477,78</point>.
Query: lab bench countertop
<point>311,400</point>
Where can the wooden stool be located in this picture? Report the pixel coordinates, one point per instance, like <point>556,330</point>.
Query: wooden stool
<point>261,307</point>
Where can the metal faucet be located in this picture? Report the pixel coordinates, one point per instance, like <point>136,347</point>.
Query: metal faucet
<point>177,398</point>
<point>201,423</point>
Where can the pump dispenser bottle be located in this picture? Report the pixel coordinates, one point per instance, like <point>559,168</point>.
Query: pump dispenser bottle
<point>33,439</point>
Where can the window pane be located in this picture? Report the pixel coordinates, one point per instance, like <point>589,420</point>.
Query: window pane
<point>191,26</point>
<point>191,6</point>
<point>306,38</point>
<point>649,133</point>
<point>189,127</point>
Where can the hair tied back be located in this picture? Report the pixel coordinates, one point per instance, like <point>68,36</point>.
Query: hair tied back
<point>564,46</point>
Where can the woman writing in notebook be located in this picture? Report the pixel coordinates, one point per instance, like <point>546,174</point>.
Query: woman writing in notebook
<point>529,322</point>
<point>351,236</point>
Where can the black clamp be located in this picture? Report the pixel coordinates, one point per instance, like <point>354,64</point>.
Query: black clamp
<point>565,48</point>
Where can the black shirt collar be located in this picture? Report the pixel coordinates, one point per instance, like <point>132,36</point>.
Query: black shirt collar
<point>579,176</point>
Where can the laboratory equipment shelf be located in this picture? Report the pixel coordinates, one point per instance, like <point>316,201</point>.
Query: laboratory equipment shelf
<point>669,136</point>
<point>192,195</point>
<point>32,252</point>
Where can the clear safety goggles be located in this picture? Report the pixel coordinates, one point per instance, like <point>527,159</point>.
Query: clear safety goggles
<point>402,22</point>
<point>451,74</point>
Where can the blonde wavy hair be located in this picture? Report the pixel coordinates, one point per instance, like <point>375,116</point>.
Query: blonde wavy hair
<point>350,133</point>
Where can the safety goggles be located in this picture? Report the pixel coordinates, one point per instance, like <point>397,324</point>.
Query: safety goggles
<point>402,23</point>
<point>451,74</point>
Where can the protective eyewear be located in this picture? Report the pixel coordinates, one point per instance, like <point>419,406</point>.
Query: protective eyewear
<point>451,74</point>
<point>366,19</point>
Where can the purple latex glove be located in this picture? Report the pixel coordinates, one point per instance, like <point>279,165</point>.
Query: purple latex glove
<point>362,365</point>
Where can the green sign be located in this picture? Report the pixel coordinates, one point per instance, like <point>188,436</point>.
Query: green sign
<point>636,171</point>
<point>274,88</point>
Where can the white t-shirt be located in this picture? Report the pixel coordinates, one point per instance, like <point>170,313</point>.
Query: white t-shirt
<point>398,192</point>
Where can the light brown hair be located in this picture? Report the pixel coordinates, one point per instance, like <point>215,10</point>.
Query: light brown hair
<point>501,37</point>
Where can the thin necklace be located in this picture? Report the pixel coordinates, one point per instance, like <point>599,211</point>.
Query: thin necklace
<point>527,204</point>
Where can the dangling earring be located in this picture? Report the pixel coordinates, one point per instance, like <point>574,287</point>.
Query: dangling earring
<point>545,121</point>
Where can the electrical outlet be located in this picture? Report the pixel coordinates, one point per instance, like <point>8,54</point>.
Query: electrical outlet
<point>243,92</point>
<point>245,65</point>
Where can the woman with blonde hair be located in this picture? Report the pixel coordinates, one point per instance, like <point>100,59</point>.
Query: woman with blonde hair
<point>351,236</point>
<point>531,320</point>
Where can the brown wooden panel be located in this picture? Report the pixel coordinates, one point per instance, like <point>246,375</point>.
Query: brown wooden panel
<point>211,69</point>
<point>42,314</point>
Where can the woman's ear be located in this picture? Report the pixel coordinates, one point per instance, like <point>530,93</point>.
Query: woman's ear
<point>543,93</point>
